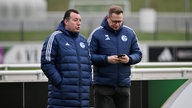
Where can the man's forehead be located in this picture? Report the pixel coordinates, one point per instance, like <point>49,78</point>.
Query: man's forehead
<point>75,15</point>
<point>118,16</point>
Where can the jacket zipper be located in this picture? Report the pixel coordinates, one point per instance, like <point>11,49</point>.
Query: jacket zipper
<point>117,39</point>
<point>78,58</point>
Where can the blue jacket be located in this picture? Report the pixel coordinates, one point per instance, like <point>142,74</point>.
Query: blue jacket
<point>66,63</point>
<point>104,42</point>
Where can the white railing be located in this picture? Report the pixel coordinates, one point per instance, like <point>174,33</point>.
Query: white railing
<point>21,73</point>
<point>162,70</point>
<point>140,71</point>
<point>164,64</point>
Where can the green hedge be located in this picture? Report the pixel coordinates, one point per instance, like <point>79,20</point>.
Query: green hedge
<point>136,5</point>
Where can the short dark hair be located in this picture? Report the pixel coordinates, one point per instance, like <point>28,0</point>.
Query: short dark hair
<point>115,9</point>
<point>68,12</point>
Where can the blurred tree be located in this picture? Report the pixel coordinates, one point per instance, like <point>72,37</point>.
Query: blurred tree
<point>162,5</point>
<point>58,5</point>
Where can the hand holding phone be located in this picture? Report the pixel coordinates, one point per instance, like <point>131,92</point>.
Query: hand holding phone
<point>123,58</point>
<point>120,55</point>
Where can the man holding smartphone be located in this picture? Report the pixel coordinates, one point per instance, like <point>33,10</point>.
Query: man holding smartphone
<point>113,47</point>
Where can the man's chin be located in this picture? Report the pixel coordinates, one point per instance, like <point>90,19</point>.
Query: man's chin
<point>77,31</point>
<point>115,28</point>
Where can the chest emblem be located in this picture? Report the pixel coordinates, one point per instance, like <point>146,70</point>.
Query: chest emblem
<point>107,37</point>
<point>124,38</point>
<point>67,44</point>
<point>82,45</point>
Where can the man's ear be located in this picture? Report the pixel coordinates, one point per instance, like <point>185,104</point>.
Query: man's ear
<point>107,17</point>
<point>65,22</point>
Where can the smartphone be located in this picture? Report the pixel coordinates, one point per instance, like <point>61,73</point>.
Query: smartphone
<point>121,55</point>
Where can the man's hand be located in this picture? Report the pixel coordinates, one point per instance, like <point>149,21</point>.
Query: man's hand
<point>124,59</point>
<point>113,59</point>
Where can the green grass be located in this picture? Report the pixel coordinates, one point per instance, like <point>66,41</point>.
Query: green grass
<point>27,36</point>
<point>171,36</point>
<point>42,35</point>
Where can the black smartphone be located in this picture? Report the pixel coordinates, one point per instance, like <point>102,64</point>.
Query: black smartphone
<point>121,55</point>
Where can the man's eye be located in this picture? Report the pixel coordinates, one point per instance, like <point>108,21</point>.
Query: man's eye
<point>77,20</point>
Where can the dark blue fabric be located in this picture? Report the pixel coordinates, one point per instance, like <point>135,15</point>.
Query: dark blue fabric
<point>65,61</point>
<point>104,42</point>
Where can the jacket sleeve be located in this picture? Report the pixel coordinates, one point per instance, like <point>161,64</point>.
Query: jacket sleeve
<point>136,54</point>
<point>97,59</point>
<point>48,57</point>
